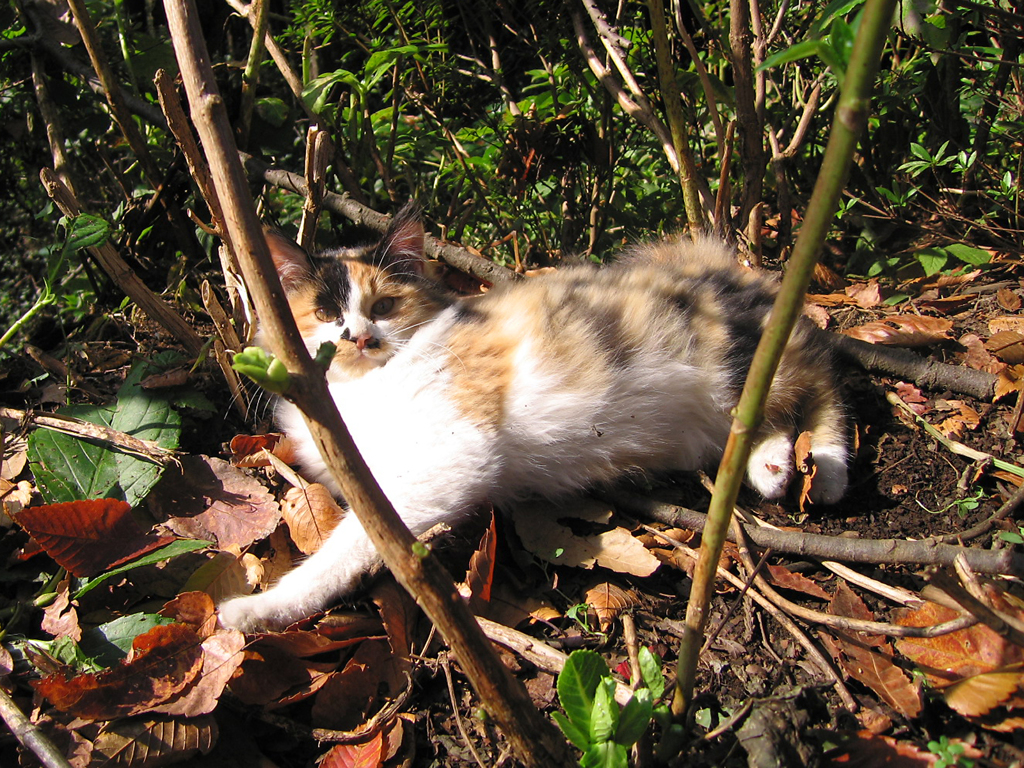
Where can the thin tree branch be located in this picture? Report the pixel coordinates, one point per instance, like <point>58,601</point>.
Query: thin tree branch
<point>532,737</point>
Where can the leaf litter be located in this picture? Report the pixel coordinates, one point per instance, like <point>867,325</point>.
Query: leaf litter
<point>166,692</point>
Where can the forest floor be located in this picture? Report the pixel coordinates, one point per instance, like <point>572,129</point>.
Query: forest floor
<point>371,682</point>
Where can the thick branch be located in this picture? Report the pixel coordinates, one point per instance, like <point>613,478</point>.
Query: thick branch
<point>532,737</point>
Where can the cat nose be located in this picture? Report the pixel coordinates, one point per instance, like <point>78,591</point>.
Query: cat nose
<point>365,340</point>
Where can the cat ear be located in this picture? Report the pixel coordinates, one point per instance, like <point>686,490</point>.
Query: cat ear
<point>401,248</point>
<point>292,263</point>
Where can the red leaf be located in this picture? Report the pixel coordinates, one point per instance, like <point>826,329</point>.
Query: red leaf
<point>366,755</point>
<point>86,537</point>
<point>163,662</point>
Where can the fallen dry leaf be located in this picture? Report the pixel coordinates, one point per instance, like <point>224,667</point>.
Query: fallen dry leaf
<point>867,750</point>
<point>1006,323</point>
<point>1008,346</point>
<point>781,576</point>
<point>539,528</point>
<point>369,754</point>
<point>865,295</point>
<point>608,601</point>
<point>162,663</point>
<point>310,514</point>
<point>210,499</point>
<point>88,537</point>
<point>980,694</point>
<point>60,618</point>
<point>1008,299</point>
<point>154,742</point>
<point>903,331</point>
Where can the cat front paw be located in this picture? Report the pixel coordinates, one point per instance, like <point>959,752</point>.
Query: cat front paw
<point>254,613</point>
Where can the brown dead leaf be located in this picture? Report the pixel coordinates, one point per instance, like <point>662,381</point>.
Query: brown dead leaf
<point>958,655</point>
<point>865,295</point>
<point>163,661</point>
<point>1008,380</point>
<point>608,601</point>
<point>965,418</point>
<point>175,377</point>
<point>269,672</point>
<point>1006,323</point>
<point>479,581</point>
<point>248,450</point>
<point>221,577</point>
<point>60,618</point>
<point>945,305</point>
<point>781,576</point>
<point>977,356</point>
<point>1008,346</point>
<point>1008,299</point>
<point>153,742</point>
<point>310,514</point>
<point>223,652</point>
<point>87,537</point>
<point>817,315</point>
<point>13,499</point>
<point>369,754</point>
<point>13,455</point>
<point>980,694</point>
<point>540,528</point>
<point>903,331</point>
<point>210,499</point>
<point>196,609</point>
<point>867,750</point>
<point>350,695</point>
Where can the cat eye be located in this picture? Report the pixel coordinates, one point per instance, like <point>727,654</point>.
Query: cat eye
<point>383,306</point>
<point>324,315</point>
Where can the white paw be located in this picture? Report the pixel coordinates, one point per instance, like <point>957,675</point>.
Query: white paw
<point>770,468</point>
<point>830,477</point>
<point>254,613</point>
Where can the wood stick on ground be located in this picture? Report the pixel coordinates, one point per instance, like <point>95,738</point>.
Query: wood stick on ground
<point>29,734</point>
<point>815,653</point>
<point>145,449</point>
<point>851,550</point>
<point>534,738</point>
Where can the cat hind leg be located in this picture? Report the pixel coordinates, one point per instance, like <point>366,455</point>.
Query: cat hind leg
<point>770,466</point>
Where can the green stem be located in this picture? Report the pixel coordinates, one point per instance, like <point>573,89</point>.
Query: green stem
<point>851,115</point>
<point>46,299</point>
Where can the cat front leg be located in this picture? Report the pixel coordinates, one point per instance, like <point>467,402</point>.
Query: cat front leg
<point>329,574</point>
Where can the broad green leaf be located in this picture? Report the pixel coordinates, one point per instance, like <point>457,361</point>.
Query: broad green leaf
<point>68,469</point>
<point>85,231</point>
<point>272,110</point>
<point>147,416</point>
<point>577,684</point>
<point>109,643</point>
<point>650,671</point>
<point>607,754</point>
<point>635,717</point>
<point>969,255</point>
<point>604,717</point>
<point>577,736</point>
<point>802,50</point>
<point>932,260</point>
<point>175,548</point>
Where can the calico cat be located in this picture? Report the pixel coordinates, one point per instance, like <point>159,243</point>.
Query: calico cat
<point>546,386</point>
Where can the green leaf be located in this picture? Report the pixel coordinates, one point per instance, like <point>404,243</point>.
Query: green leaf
<point>577,736</point>
<point>604,716</point>
<point>607,754</point>
<point>802,50</point>
<point>650,671</point>
<point>932,260</point>
<point>68,469</point>
<point>577,683</point>
<point>272,110</point>
<point>85,231</point>
<point>968,255</point>
<point>175,548</point>
<point>147,416</point>
<point>635,717</point>
<point>109,643</point>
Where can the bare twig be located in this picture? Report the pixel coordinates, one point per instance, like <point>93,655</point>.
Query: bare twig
<point>29,734</point>
<point>145,449</point>
<point>458,257</point>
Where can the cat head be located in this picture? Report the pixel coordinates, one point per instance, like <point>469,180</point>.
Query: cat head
<point>367,300</point>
